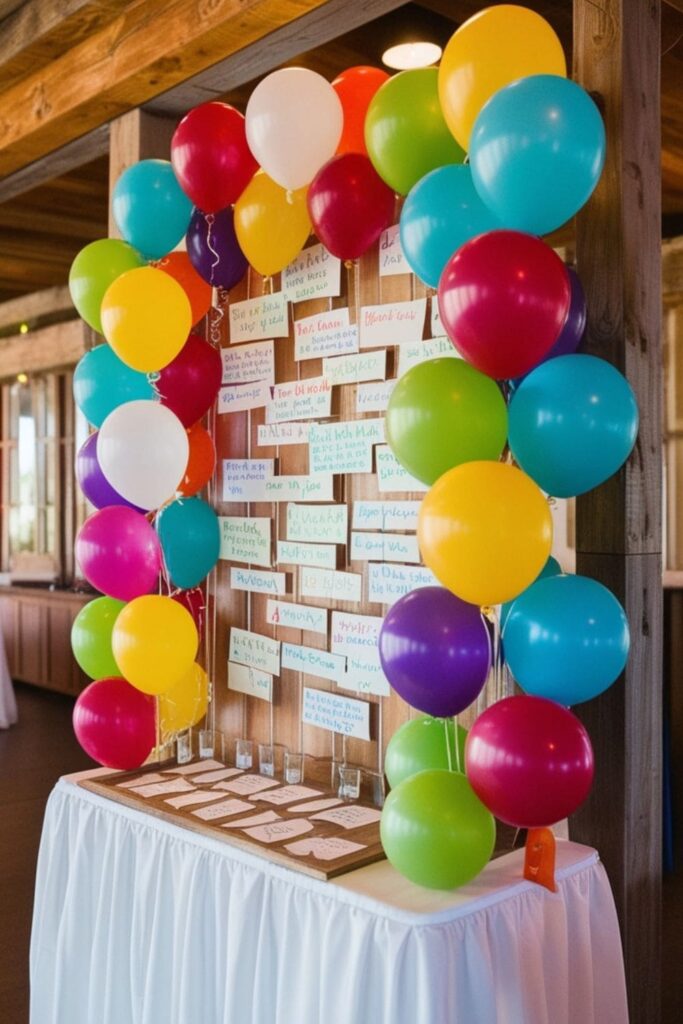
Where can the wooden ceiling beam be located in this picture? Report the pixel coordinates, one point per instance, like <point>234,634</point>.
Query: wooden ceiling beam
<point>58,162</point>
<point>150,47</point>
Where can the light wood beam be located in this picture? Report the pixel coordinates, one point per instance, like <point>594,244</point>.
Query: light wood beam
<point>47,348</point>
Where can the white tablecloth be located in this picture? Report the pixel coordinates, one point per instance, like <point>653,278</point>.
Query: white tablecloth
<point>8,703</point>
<point>138,921</point>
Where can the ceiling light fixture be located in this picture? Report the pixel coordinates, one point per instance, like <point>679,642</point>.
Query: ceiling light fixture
<point>407,56</point>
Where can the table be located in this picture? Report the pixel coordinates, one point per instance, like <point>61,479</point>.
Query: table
<point>137,921</point>
<point>8,703</point>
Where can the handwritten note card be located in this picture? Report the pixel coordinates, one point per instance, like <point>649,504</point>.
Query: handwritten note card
<point>354,369</point>
<point>162,788</point>
<point>297,616</point>
<point>374,397</point>
<point>264,818</point>
<point>380,547</point>
<point>344,447</point>
<point>353,633</point>
<point>313,274</point>
<point>278,831</point>
<point>325,334</point>
<point>296,552</point>
<point>336,713</point>
<point>334,586</point>
<point>192,799</point>
<point>392,324</point>
<point>386,583</point>
<point>251,681</point>
<point>264,317</point>
<point>385,515</point>
<point>315,805</point>
<point>245,539</point>
<point>142,780</point>
<point>241,397</point>
<point>216,775</point>
<point>364,674</point>
<point>287,795</point>
<point>256,581</point>
<point>309,399</point>
<point>222,810</point>
<point>313,487</point>
<point>326,523</point>
<point>391,476</point>
<point>282,433</point>
<point>239,475</point>
<point>195,767</point>
<point>422,351</point>
<point>255,650</point>
<point>313,662</point>
<point>391,256</point>
<point>249,784</point>
<point>435,318</point>
<point>350,816</point>
<point>245,364</point>
<point>329,848</point>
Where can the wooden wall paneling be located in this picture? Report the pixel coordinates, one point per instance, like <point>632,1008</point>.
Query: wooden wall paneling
<point>617,56</point>
<point>32,662</point>
<point>10,632</point>
<point>47,348</point>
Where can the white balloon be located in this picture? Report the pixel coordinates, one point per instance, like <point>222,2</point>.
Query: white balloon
<point>294,121</point>
<point>142,449</point>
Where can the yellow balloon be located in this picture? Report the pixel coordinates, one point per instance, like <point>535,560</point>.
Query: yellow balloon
<point>146,318</point>
<point>491,50</point>
<point>271,224</point>
<point>185,703</point>
<point>155,642</point>
<point>485,531</point>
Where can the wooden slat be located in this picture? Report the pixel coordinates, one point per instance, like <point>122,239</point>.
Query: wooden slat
<point>34,309</point>
<point>47,348</point>
<point>56,162</point>
<point>616,53</point>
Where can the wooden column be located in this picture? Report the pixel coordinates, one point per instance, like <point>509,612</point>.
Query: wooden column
<point>136,136</point>
<point>616,57</point>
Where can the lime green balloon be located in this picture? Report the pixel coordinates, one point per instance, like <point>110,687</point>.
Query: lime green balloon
<point>94,269</point>
<point>421,744</point>
<point>91,637</point>
<point>435,830</point>
<point>442,413</point>
<point>405,132</point>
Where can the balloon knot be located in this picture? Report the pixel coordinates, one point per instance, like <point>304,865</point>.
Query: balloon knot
<point>488,612</point>
<point>349,264</point>
<point>290,196</point>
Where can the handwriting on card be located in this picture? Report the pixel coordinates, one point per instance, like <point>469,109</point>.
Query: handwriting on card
<point>344,447</point>
<point>391,256</point>
<point>386,583</point>
<point>392,324</point>
<point>313,274</point>
<point>246,364</point>
<point>257,581</point>
<point>286,795</point>
<point>196,766</point>
<point>248,784</point>
<point>335,713</point>
<point>422,351</point>
<point>313,661</point>
<point>279,831</point>
<point>297,552</point>
<point>350,816</point>
<point>385,515</point>
<point>330,848</point>
<point>264,317</point>
<point>364,674</point>
<point>325,334</point>
<point>216,775</point>
<point>352,633</point>
<point>382,547</point>
<point>391,476</point>
<point>276,434</point>
<point>315,805</point>
<point>297,616</point>
<point>320,523</point>
<point>252,681</point>
<point>224,809</point>
<point>265,818</point>
<point>192,799</point>
<point>142,780</point>
<point>356,368</point>
<point>240,474</point>
<point>308,399</point>
<point>163,788</point>
<point>255,650</point>
<point>330,584</point>
<point>241,397</point>
<point>245,539</point>
<point>374,397</point>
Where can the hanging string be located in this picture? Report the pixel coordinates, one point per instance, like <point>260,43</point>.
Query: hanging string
<point>456,731</point>
<point>210,219</point>
<point>216,317</point>
<point>448,745</point>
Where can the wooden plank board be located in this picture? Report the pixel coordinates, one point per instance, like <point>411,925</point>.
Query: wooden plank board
<point>366,835</point>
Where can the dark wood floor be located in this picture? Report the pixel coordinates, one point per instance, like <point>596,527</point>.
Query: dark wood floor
<point>34,753</point>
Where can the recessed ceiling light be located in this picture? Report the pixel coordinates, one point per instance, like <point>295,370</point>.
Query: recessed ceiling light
<point>407,56</point>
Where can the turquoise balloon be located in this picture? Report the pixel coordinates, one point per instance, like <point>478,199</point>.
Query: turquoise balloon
<point>551,568</point>
<point>420,744</point>
<point>150,209</point>
<point>102,383</point>
<point>441,213</point>
<point>190,540</point>
<point>537,151</point>
<point>566,638</point>
<point>572,423</point>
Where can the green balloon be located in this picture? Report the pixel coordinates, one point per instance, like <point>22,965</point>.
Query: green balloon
<point>435,830</point>
<point>91,637</point>
<point>405,132</point>
<point>94,269</point>
<point>421,744</point>
<point>442,413</point>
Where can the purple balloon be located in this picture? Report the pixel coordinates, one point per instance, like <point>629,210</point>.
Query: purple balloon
<point>92,480</point>
<point>214,250</point>
<point>435,651</point>
<point>571,334</point>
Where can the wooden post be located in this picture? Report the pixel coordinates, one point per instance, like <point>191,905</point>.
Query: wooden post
<point>136,136</point>
<point>616,57</point>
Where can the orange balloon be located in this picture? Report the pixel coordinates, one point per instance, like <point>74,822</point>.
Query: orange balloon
<point>198,291</point>
<point>355,88</point>
<point>201,462</point>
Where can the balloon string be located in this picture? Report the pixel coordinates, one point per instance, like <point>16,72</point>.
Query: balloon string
<point>217,315</point>
<point>153,381</point>
<point>209,224</point>
<point>457,744</point>
<point>448,745</point>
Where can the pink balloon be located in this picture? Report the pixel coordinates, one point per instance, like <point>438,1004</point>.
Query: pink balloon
<point>189,384</point>
<point>529,760</point>
<point>119,553</point>
<point>195,602</point>
<point>115,723</point>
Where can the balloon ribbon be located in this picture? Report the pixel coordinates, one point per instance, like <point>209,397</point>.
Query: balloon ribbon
<point>539,858</point>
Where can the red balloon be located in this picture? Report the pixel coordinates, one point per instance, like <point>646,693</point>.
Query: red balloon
<point>195,602</point>
<point>115,723</point>
<point>210,156</point>
<point>503,299</point>
<point>201,461</point>
<point>529,760</point>
<point>189,384</point>
<point>349,205</point>
<point>355,87</point>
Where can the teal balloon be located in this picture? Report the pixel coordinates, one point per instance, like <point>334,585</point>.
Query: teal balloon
<point>551,568</point>
<point>435,830</point>
<point>420,744</point>
<point>572,423</point>
<point>150,209</point>
<point>102,382</point>
<point>566,638</point>
<point>537,151</point>
<point>441,213</point>
<point>190,540</point>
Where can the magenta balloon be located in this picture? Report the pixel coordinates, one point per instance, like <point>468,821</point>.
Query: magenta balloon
<point>435,651</point>
<point>189,384</point>
<point>119,553</point>
<point>92,480</point>
<point>115,723</point>
<point>529,760</point>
